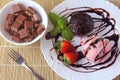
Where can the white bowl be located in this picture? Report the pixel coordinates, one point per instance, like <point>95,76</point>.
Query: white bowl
<point>7,9</point>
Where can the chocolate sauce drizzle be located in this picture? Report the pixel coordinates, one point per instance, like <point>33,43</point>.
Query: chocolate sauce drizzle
<point>104,21</point>
<point>105,28</point>
<point>114,52</point>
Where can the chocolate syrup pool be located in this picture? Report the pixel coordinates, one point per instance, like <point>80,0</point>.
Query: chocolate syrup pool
<point>104,26</point>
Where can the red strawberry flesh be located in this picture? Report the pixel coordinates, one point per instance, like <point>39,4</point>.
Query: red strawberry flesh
<point>70,57</point>
<point>65,46</point>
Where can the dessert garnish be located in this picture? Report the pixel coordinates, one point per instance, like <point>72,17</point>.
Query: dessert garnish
<point>60,27</point>
<point>70,56</point>
<point>64,46</point>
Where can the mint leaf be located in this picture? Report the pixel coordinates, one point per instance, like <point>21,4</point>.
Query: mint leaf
<point>62,22</point>
<point>55,31</point>
<point>54,18</point>
<point>67,34</point>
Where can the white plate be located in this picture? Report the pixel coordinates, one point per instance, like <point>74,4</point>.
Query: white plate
<point>65,72</point>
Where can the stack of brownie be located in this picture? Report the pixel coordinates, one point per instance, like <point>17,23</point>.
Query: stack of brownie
<point>24,24</point>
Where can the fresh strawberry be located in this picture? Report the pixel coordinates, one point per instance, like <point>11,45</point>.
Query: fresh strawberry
<point>65,46</point>
<point>70,57</point>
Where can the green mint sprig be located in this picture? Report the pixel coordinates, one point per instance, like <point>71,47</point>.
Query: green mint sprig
<point>60,26</point>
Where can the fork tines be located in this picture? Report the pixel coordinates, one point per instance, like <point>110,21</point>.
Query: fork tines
<point>13,54</point>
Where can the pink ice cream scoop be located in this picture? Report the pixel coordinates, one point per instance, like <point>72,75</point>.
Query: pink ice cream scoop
<point>96,48</point>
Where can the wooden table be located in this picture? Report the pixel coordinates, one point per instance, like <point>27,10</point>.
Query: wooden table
<point>9,70</point>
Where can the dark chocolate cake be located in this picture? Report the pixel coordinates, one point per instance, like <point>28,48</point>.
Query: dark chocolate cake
<point>81,23</point>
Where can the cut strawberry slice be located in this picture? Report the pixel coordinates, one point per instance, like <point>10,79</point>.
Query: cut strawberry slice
<point>65,46</point>
<point>70,57</point>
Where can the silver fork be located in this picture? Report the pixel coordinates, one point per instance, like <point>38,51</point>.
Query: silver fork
<point>20,60</point>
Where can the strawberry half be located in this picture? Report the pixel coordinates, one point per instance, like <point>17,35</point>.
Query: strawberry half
<point>65,46</point>
<point>70,57</point>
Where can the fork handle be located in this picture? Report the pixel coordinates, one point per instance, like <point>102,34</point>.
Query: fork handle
<point>33,72</point>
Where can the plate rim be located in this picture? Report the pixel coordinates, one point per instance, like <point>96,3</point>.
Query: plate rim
<point>46,31</point>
